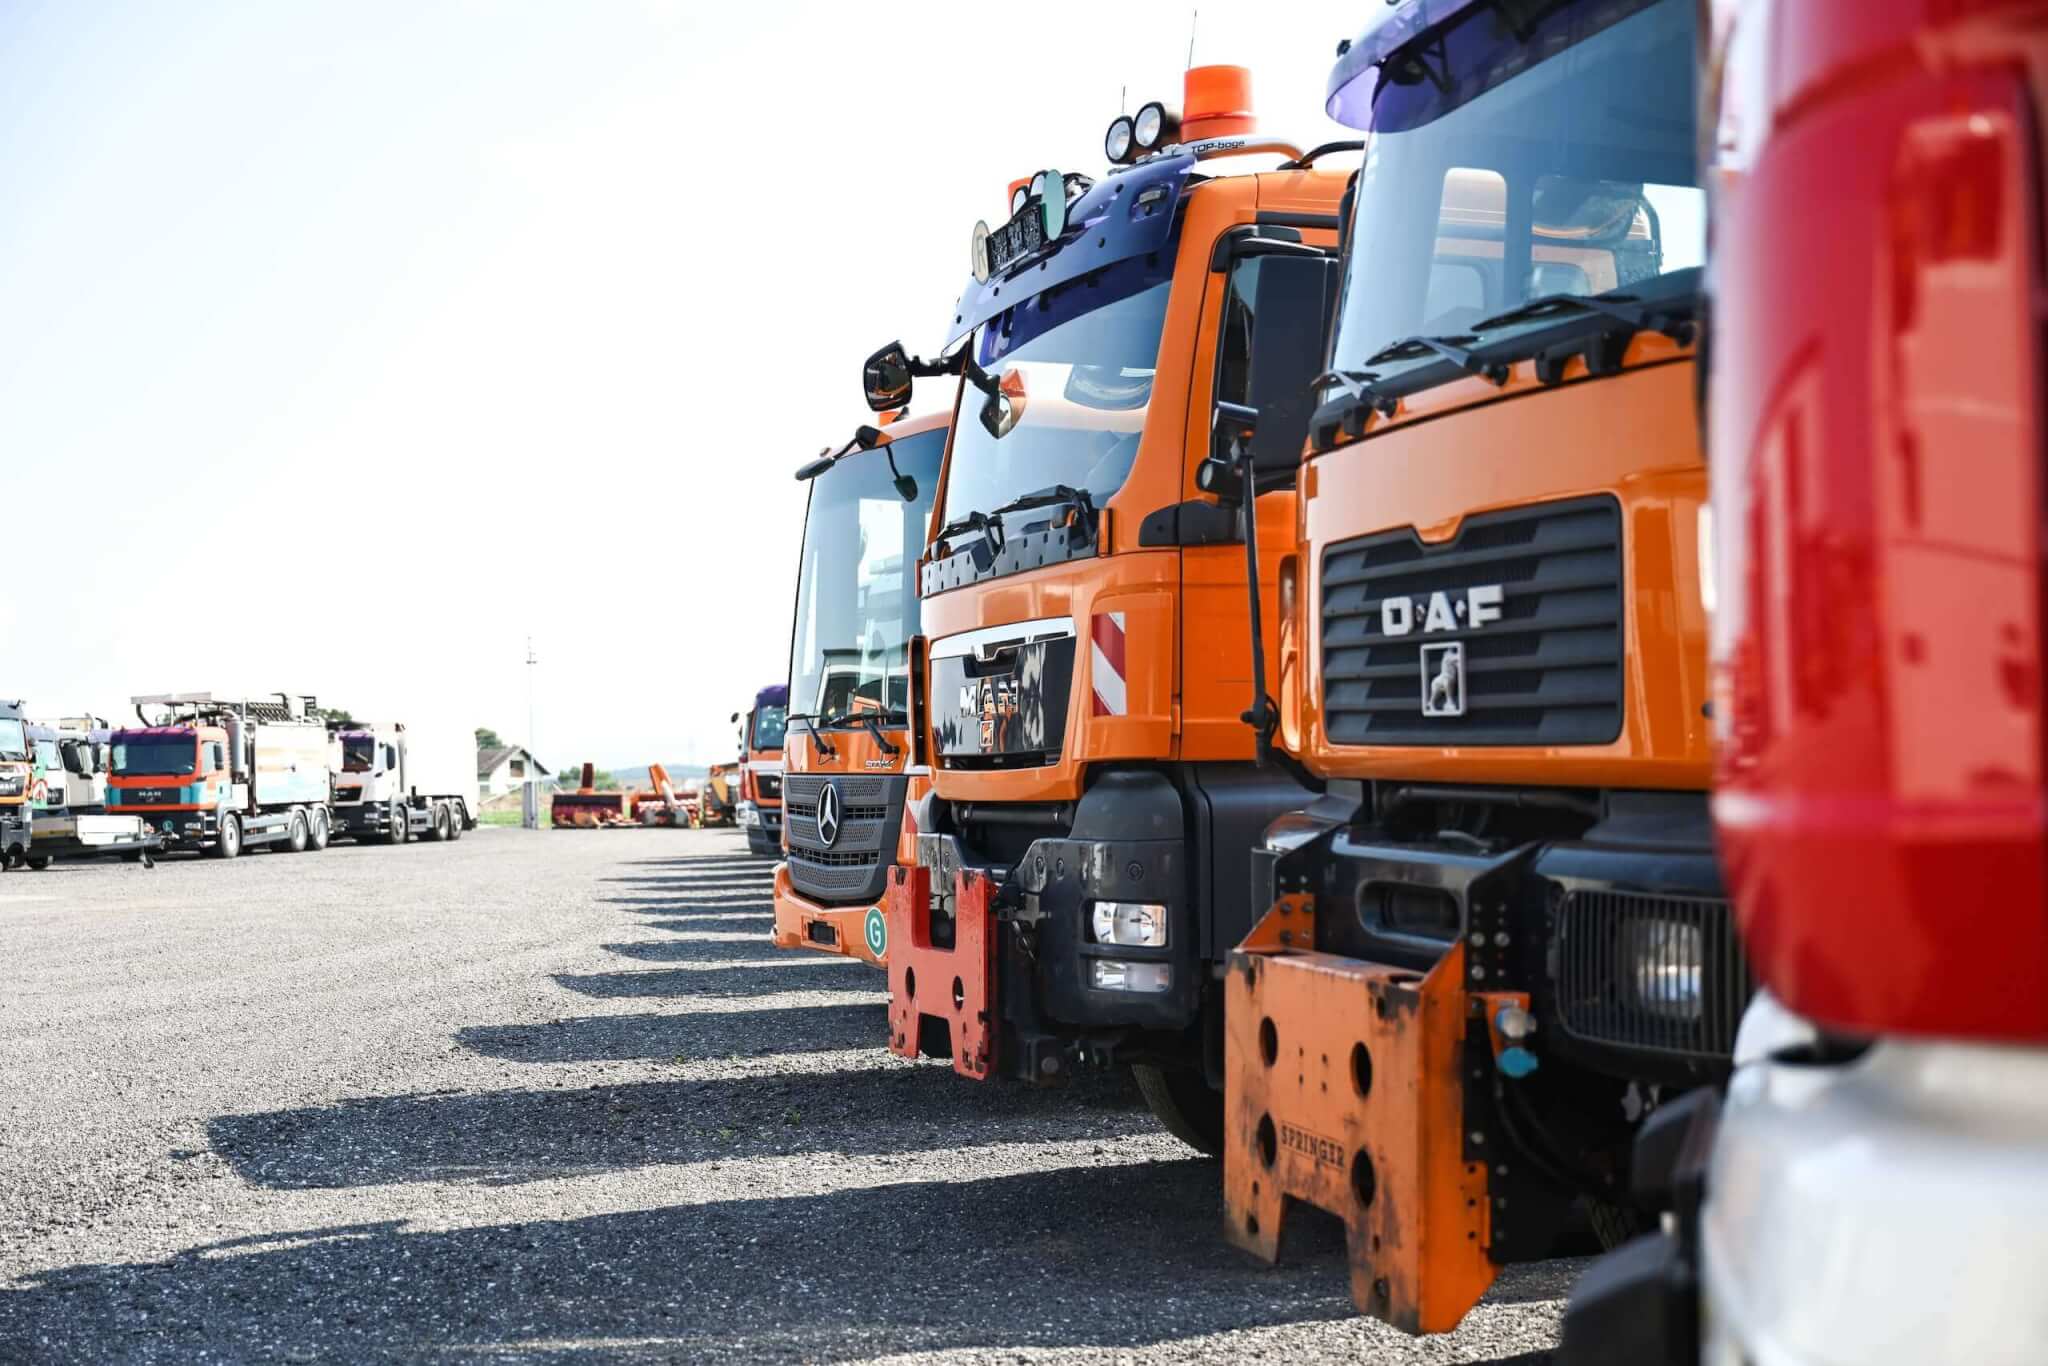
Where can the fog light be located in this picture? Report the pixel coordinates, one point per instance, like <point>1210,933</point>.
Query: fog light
<point>1113,974</point>
<point>1134,924</point>
<point>1664,967</point>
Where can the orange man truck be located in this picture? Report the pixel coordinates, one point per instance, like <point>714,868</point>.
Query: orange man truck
<point>1082,858</point>
<point>223,774</point>
<point>1499,937</point>
<point>851,770</point>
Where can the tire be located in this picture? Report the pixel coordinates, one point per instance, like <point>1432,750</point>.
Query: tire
<point>1184,1104</point>
<point>401,824</point>
<point>761,846</point>
<point>318,832</point>
<point>1613,1224</point>
<point>442,820</point>
<point>455,826</point>
<point>297,836</point>
<point>38,862</point>
<point>229,845</point>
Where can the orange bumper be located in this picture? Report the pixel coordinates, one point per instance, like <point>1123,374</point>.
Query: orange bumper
<point>847,931</point>
<point>1344,1088</point>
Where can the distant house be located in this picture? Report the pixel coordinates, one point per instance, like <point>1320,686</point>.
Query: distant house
<point>504,768</point>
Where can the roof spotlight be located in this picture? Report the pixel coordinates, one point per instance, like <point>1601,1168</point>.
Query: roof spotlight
<point>1019,193</point>
<point>1116,143</point>
<point>1154,126</point>
<point>978,252</point>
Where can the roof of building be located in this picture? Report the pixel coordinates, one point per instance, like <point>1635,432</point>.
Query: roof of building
<point>488,759</point>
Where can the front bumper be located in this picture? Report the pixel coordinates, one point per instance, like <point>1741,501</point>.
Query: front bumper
<point>176,828</point>
<point>767,819</point>
<point>848,931</point>
<point>1001,963</point>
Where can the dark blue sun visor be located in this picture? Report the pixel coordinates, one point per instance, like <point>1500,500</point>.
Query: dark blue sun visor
<point>1129,214</point>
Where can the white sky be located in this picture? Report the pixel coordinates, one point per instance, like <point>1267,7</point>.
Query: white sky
<point>345,345</point>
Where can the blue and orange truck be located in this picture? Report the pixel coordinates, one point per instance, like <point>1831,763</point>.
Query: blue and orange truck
<point>221,774</point>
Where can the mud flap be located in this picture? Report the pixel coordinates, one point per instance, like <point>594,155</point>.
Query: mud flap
<point>955,986</point>
<point>1344,1088</point>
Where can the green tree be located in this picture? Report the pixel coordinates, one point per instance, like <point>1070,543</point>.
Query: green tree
<point>486,738</point>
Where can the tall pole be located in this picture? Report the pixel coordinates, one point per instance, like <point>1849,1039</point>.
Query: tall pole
<point>529,806</point>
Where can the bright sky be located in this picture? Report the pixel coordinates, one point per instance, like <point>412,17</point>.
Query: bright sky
<point>344,346</point>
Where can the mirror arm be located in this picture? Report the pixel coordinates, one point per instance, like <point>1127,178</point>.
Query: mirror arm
<point>1263,717</point>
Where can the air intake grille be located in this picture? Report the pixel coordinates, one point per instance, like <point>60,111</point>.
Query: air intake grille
<point>1662,973</point>
<point>769,785</point>
<point>1548,671</point>
<point>870,817</point>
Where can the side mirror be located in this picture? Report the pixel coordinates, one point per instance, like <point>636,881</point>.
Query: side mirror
<point>886,378</point>
<point>74,759</point>
<point>1004,405</point>
<point>1291,307</point>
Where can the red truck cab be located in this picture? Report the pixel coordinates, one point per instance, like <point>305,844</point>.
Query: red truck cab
<point>1874,1188</point>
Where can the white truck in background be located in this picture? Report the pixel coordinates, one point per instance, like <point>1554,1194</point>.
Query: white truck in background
<point>393,783</point>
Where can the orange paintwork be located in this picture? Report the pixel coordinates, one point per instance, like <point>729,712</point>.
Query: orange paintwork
<point>118,781</point>
<point>1187,626</point>
<point>1470,448</point>
<point>1345,1093</point>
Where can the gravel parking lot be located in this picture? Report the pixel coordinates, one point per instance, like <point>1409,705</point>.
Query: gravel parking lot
<point>553,1096</point>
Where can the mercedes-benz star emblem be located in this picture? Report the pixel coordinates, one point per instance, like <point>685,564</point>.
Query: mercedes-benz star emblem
<point>828,814</point>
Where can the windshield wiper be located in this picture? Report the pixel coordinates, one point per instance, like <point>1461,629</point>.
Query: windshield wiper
<point>1451,348</point>
<point>1059,495</point>
<point>818,740</point>
<point>1672,317</point>
<point>874,728</point>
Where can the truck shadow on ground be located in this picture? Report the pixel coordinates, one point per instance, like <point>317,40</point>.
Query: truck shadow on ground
<point>1108,1259</point>
<point>723,981</point>
<point>755,948</point>
<point>758,921</point>
<point>507,1137</point>
<point>766,1032</point>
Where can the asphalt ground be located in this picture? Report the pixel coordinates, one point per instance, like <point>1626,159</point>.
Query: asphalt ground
<point>553,1097</point>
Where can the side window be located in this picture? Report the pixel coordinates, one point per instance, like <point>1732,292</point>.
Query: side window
<point>519,768</point>
<point>1234,336</point>
<point>391,758</point>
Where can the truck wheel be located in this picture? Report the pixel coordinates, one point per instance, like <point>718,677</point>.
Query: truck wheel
<point>455,826</point>
<point>438,831</point>
<point>1184,1104</point>
<point>318,832</point>
<point>401,824</point>
<point>37,862</point>
<point>229,844</point>
<point>296,837</point>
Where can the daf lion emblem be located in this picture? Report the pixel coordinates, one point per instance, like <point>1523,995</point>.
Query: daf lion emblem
<point>1443,679</point>
<point>828,814</point>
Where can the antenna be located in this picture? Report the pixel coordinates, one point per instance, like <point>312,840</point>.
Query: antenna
<point>1194,18</point>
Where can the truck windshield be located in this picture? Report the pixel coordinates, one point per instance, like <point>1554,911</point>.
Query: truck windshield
<point>856,603</point>
<point>358,753</point>
<point>13,740</point>
<point>771,722</point>
<point>167,755</point>
<point>1078,361</point>
<point>1492,179</point>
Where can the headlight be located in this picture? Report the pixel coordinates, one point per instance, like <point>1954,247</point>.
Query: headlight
<point>1663,964</point>
<point>1116,143</point>
<point>1134,924</point>
<point>1112,974</point>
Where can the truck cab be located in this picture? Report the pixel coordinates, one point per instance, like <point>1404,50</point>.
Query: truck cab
<point>17,781</point>
<point>1499,937</point>
<point>1082,857</point>
<point>71,758</point>
<point>851,764</point>
<point>761,741</point>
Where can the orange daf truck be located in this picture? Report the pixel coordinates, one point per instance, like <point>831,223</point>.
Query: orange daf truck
<point>851,765</point>
<point>1499,938</point>
<point>761,735</point>
<point>1081,865</point>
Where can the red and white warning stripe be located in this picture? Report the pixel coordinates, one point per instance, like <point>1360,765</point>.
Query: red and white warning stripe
<point>1106,650</point>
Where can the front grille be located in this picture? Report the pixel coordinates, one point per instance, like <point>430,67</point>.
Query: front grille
<point>1548,671</point>
<point>1624,974</point>
<point>769,785</point>
<point>870,816</point>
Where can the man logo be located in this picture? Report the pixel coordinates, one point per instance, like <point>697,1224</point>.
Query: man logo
<point>828,814</point>
<point>1443,679</point>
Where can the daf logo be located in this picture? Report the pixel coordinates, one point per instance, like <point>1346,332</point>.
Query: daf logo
<point>828,814</point>
<point>1440,611</point>
<point>1443,679</point>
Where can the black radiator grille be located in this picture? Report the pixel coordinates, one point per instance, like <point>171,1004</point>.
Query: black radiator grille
<point>1625,972</point>
<point>769,785</point>
<point>870,816</point>
<point>1547,672</point>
